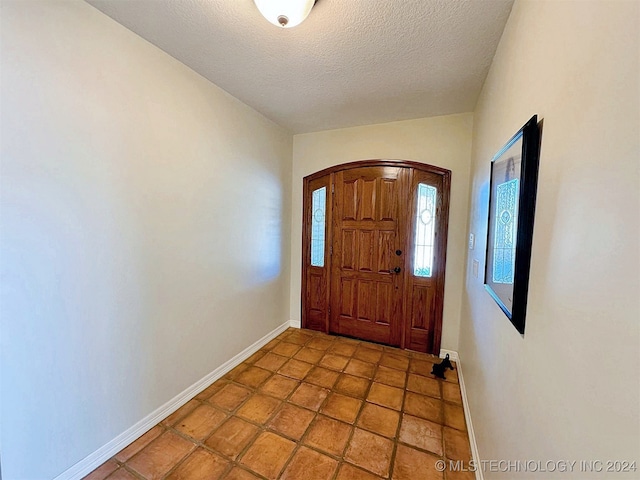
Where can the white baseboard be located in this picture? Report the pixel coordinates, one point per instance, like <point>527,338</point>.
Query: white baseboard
<point>104,453</point>
<point>453,355</point>
<point>295,324</point>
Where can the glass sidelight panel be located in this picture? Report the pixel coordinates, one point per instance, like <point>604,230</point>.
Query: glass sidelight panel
<point>425,231</point>
<point>318,216</point>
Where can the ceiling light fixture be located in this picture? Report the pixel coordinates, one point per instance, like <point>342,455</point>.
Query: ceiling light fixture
<point>285,13</point>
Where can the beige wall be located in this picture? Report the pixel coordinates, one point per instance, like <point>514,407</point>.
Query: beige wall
<point>568,389</point>
<point>145,216</point>
<point>442,141</point>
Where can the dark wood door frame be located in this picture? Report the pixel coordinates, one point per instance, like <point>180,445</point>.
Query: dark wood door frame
<point>317,318</point>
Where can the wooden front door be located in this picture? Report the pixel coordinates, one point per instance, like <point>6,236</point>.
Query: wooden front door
<point>368,240</point>
<point>374,243</point>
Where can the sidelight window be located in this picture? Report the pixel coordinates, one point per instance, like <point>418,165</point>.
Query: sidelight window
<point>425,231</point>
<point>318,216</point>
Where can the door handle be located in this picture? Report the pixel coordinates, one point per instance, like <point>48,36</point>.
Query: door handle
<point>397,270</point>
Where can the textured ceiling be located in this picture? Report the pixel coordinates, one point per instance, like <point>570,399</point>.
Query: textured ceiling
<point>351,62</point>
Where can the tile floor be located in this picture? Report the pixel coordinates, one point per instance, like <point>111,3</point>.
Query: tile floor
<point>309,406</point>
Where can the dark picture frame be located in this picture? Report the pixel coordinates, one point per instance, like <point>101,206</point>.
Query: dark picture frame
<point>512,201</point>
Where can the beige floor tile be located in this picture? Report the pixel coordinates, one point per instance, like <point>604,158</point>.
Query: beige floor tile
<point>122,474</point>
<point>349,472</point>
<point>367,354</point>
<point>200,464</point>
<point>157,458</point>
<point>342,348</point>
<point>231,438</point>
<point>210,390</point>
<point>380,420</point>
<point>309,464</point>
<point>353,386</point>
<point>360,368</point>
<point>279,386</point>
<point>255,357</point>
<point>258,408</point>
<point>253,377</point>
<point>390,376</point>
<point>334,362</point>
<point>103,471</point>
<point>456,444</point>
<point>451,376</point>
<point>399,362</point>
<point>329,435</point>
<point>322,377</point>
<point>295,369</point>
<point>238,473</point>
<point>425,407</point>
<point>230,397</point>
<point>342,407</point>
<point>454,416</point>
<point>451,393</point>
<point>371,452</point>
<point>309,355</point>
<point>201,422</point>
<point>268,455</point>
<point>291,421</point>
<point>140,443</point>
<point>286,349</point>
<point>421,367</point>
<point>269,346</point>
<point>309,396</point>
<point>320,343</point>
<point>421,433</point>
<point>298,338</point>
<point>411,464</point>
<point>424,385</point>
<point>233,374</point>
<point>386,396</point>
<point>271,361</point>
<point>183,411</point>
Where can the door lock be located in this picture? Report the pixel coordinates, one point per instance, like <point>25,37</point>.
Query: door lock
<point>397,270</point>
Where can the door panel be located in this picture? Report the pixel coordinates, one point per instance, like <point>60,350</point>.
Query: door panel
<point>424,306</point>
<point>348,254</point>
<point>315,280</point>
<point>367,209</point>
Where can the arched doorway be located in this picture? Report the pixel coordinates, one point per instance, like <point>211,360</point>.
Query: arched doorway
<point>374,251</point>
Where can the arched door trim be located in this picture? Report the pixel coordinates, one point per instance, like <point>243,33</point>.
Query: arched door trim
<point>319,278</point>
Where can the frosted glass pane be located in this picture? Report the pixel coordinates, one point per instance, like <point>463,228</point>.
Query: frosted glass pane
<point>425,231</point>
<point>504,244</point>
<point>318,213</point>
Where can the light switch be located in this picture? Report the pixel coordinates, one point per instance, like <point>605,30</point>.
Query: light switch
<point>472,241</point>
<point>475,268</point>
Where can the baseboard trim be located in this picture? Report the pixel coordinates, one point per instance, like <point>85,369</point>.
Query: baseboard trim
<point>104,453</point>
<point>453,355</point>
<point>295,324</point>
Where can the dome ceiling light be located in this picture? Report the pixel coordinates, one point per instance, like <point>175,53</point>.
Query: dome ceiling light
<point>285,13</point>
